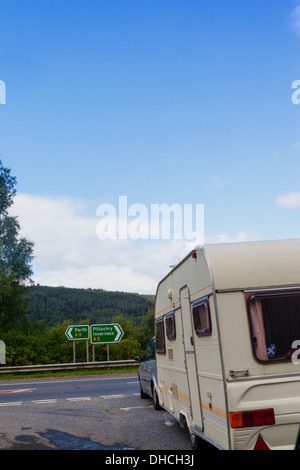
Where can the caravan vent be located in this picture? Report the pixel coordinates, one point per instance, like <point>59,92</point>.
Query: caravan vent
<point>174,390</point>
<point>170,354</point>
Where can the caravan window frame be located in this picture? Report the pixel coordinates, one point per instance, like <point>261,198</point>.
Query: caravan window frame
<point>170,326</point>
<point>206,318</point>
<point>265,326</point>
<point>160,342</point>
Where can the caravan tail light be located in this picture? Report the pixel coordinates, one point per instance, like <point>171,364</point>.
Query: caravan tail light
<point>247,419</point>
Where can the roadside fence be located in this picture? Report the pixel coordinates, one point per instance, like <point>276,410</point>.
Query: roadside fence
<point>69,366</point>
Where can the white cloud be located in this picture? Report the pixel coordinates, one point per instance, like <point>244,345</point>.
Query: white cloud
<point>69,253</point>
<point>217,181</point>
<point>241,236</point>
<point>288,201</point>
<point>295,20</point>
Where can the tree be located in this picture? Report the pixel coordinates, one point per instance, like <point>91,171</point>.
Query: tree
<point>146,330</point>
<point>15,258</point>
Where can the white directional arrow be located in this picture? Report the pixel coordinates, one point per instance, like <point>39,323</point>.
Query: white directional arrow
<point>69,332</point>
<point>119,332</point>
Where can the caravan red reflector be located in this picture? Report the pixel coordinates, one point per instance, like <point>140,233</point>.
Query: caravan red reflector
<point>260,444</point>
<point>248,419</point>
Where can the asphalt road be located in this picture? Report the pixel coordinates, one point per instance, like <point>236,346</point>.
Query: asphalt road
<point>91,413</point>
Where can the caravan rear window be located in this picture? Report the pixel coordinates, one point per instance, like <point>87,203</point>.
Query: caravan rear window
<point>275,325</point>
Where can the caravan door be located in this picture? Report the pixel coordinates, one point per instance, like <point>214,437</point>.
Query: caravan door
<point>190,358</point>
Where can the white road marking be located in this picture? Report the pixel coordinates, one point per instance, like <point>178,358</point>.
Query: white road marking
<point>41,402</point>
<point>19,390</point>
<point>129,408</point>
<point>107,397</point>
<point>78,399</point>
<point>12,403</point>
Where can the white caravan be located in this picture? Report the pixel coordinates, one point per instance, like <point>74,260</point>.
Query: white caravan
<point>227,338</point>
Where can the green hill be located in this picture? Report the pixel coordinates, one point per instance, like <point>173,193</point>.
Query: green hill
<point>54,305</point>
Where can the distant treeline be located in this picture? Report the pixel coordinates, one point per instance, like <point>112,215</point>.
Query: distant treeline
<point>51,310</point>
<point>54,305</point>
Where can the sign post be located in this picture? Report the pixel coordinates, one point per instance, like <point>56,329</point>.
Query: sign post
<point>106,334</point>
<point>76,333</point>
<point>2,352</point>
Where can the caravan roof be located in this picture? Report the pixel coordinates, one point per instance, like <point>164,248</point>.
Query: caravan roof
<point>230,267</point>
<point>254,264</point>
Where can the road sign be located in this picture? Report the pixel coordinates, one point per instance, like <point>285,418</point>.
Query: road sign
<point>101,334</point>
<point>76,332</point>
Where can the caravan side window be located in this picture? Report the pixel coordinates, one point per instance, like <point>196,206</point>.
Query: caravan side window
<point>160,337</point>
<point>170,326</point>
<point>201,317</point>
<point>275,325</point>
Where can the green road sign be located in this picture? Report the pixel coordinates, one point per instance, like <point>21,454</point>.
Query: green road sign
<point>76,332</point>
<point>101,334</point>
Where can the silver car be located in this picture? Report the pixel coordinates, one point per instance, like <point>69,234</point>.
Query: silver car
<point>147,374</point>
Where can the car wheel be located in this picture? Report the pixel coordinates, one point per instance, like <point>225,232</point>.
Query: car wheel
<point>199,444</point>
<point>196,441</point>
<point>155,399</point>
<point>142,393</point>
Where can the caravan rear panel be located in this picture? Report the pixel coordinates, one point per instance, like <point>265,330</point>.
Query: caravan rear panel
<point>228,323</point>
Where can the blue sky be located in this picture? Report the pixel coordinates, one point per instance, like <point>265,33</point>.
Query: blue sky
<point>163,101</point>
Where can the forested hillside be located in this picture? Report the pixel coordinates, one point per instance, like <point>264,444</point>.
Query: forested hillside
<point>42,338</point>
<point>54,305</point>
